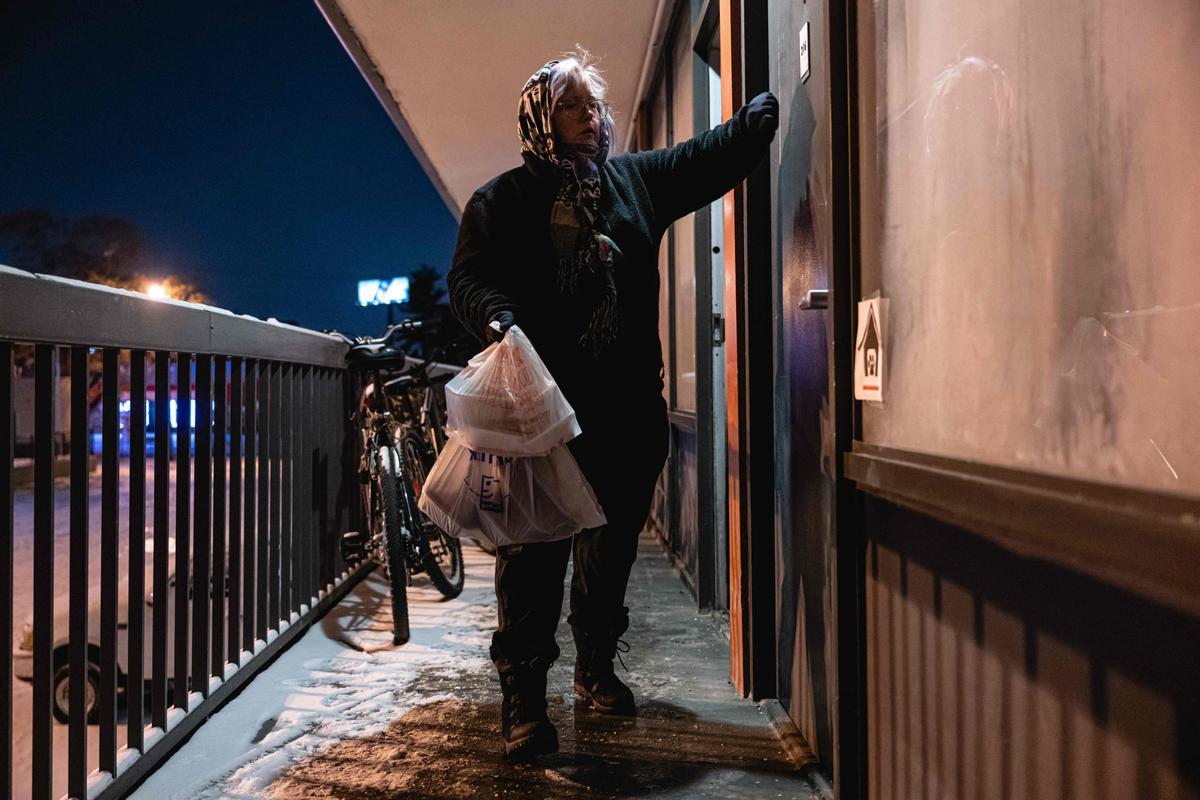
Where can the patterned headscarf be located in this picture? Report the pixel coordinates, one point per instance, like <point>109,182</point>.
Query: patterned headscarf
<point>577,229</point>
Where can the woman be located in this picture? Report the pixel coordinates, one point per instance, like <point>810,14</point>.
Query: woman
<point>566,246</point>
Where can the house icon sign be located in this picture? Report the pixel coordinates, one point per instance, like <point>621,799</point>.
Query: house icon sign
<point>868,345</point>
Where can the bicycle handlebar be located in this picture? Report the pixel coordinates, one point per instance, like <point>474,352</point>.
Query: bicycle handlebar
<point>399,327</point>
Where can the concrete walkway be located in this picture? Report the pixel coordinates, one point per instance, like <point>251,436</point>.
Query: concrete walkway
<point>343,714</point>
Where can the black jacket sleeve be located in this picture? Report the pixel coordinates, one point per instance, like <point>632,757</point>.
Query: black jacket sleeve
<point>692,174</point>
<point>475,281</point>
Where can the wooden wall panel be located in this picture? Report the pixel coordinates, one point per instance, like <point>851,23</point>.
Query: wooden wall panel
<point>994,676</point>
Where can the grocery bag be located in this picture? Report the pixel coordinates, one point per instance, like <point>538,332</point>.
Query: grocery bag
<point>506,402</point>
<point>478,494</point>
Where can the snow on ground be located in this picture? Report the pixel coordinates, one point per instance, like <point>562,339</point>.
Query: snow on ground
<point>344,714</point>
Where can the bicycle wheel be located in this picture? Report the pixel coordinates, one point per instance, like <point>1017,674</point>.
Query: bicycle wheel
<point>441,554</point>
<point>397,566</point>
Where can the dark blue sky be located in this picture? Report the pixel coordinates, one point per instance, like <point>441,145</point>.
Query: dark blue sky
<point>238,136</point>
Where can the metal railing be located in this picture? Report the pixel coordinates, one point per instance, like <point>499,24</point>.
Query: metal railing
<point>246,505</point>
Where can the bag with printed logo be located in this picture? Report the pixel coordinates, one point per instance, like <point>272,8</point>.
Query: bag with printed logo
<point>475,493</point>
<point>505,401</point>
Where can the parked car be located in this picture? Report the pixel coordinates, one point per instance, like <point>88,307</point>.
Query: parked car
<point>23,651</point>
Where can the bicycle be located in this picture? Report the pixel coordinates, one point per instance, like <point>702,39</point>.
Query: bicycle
<point>400,423</point>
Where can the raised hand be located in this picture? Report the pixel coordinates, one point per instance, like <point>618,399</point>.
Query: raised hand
<point>763,113</point>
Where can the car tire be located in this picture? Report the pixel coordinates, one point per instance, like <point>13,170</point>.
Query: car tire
<point>61,689</point>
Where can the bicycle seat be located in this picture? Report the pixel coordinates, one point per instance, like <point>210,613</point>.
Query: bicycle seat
<point>376,356</point>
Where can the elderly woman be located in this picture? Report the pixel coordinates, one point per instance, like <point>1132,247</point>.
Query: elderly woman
<point>566,246</point>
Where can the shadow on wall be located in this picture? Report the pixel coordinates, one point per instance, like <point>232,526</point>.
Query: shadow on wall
<point>992,675</point>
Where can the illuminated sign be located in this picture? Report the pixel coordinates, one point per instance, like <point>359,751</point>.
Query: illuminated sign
<point>377,292</point>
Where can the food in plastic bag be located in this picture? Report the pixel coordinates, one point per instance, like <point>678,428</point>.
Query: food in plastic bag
<point>506,402</point>
<point>502,499</point>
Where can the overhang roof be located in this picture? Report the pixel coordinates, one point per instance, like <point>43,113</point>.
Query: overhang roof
<point>449,72</point>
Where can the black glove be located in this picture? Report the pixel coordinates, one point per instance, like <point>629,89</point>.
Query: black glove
<point>762,114</point>
<point>504,320</point>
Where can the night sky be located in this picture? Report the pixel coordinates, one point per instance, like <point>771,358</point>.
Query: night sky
<point>239,138</point>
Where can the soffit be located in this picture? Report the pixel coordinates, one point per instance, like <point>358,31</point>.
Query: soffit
<point>453,70</point>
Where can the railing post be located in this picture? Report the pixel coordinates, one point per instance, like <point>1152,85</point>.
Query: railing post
<point>276,499</point>
<point>287,502</point>
<point>219,568</point>
<point>162,533</point>
<point>183,544</point>
<point>344,496</point>
<point>43,568</point>
<point>202,526</point>
<point>314,542</point>
<point>233,650</point>
<point>306,485</point>
<point>349,407</point>
<point>137,549</point>
<point>110,477</point>
<point>264,500</point>
<point>248,533</point>
<point>330,519</point>
<point>79,668</point>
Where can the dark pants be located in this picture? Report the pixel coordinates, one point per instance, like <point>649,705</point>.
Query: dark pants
<point>622,461</point>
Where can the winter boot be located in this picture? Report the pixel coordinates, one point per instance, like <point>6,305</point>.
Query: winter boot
<point>595,682</point>
<point>526,729</point>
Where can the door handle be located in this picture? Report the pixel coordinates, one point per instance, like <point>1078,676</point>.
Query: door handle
<point>815,300</point>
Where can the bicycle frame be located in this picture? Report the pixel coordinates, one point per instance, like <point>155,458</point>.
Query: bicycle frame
<point>375,425</point>
<point>386,409</point>
<point>426,415</point>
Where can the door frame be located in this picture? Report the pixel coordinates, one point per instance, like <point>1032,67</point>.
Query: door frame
<point>749,356</point>
<point>712,547</point>
<point>850,734</point>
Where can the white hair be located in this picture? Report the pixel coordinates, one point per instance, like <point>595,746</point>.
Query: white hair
<point>576,70</point>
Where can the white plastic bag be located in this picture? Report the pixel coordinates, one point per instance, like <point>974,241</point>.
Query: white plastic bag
<point>506,402</point>
<point>480,495</point>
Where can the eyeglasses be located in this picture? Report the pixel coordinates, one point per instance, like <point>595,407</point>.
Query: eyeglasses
<point>581,110</point>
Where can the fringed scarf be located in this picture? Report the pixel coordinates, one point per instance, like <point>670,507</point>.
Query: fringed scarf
<point>577,229</point>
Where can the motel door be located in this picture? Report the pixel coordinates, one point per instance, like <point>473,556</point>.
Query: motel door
<point>805,449</point>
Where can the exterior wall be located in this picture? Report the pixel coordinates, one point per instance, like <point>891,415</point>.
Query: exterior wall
<point>1033,176</point>
<point>987,674</point>
<point>994,676</point>
<point>1028,215</point>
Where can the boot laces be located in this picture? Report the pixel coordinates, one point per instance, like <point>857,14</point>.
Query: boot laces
<point>622,646</point>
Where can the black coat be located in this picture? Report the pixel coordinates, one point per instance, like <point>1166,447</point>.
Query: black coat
<point>504,260</point>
